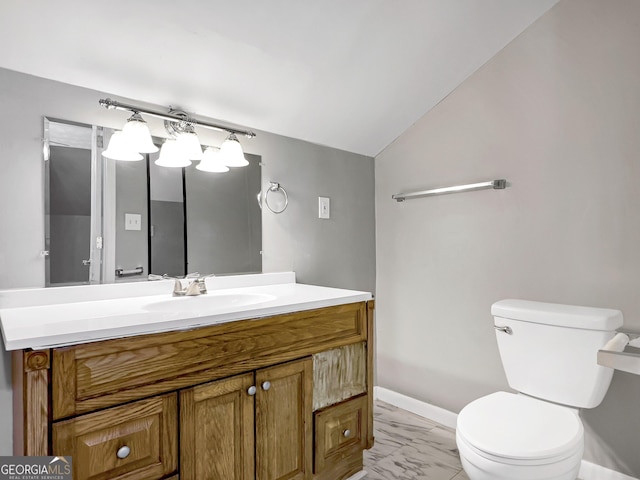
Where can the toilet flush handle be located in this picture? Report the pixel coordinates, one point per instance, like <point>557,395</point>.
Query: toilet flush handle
<point>506,330</point>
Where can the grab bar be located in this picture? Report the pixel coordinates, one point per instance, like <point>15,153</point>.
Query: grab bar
<point>121,272</point>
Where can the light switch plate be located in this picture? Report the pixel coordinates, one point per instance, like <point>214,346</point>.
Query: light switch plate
<point>132,221</point>
<point>324,207</point>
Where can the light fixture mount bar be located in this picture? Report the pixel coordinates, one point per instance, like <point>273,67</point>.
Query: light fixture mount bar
<point>110,104</point>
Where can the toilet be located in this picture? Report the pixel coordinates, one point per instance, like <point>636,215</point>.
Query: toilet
<point>549,353</point>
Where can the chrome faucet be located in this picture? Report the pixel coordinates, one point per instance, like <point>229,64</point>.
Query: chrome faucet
<point>197,286</point>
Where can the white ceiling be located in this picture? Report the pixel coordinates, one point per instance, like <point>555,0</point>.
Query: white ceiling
<point>350,74</point>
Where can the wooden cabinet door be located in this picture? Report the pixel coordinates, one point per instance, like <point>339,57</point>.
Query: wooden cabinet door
<point>217,430</point>
<point>284,448</point>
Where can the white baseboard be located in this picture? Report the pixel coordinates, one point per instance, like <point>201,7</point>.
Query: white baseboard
<point>592,471</point>
<point>437,414</point>
<point>588,470</point>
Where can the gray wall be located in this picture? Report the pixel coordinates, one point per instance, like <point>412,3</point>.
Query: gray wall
<point>167,219</point>
<point>556,113</point>
<point>337,252</point>
<point>131,197</point>
<point>167,240</point>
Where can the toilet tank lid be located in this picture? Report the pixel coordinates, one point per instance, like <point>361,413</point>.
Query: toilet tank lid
<point>571,316</point>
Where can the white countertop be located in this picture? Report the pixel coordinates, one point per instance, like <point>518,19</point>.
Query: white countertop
<point>43,318</point>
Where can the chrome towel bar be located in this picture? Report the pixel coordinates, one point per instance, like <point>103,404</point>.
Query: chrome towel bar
<point>495,184</point>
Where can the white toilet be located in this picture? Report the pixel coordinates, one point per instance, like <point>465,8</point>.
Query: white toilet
<point>549,355</point>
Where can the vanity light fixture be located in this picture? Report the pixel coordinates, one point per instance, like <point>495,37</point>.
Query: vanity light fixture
<point>212,161</point>
<point>136,133</point>
<point>188,142</point>
<point>184,145</point>
<point>171,155</point>
<point>119,149</point>
<point>231,152</point>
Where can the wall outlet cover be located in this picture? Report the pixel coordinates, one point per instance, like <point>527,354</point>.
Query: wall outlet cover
<point>132,221</point>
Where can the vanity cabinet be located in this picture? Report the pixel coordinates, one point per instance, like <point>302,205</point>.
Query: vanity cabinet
<point>231,401</point>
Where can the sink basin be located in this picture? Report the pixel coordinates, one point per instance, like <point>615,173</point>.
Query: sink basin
<point>208,303</point>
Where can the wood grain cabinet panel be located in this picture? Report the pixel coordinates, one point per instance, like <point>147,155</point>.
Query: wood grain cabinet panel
<point>338,374</point>
<point>134,441</point>
<point>98,375</point>
<point>216,430</point>
<point>284,430</point>
<point>340,432</point>
<point>231,426</point>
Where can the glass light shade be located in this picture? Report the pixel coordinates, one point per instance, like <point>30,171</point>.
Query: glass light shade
<point>119,149</point>
<point>137,134</point>
<point>171,155</point>
<point>190,145</point>
<point>212,162</point>
<point>231,152</point>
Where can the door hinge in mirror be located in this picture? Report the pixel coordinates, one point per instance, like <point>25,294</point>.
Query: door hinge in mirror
<point>99,138</point>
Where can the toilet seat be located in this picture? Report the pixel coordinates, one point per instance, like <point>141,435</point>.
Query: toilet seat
<point>519,430</point>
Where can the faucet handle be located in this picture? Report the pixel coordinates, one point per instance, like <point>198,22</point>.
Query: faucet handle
<point>193,289</point>
<point>202,285</point>
<point>177,288</point>
<point>192,275</point>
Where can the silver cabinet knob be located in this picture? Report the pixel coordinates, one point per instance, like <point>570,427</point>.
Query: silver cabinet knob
<point>347,433</point>
<point>266,385</point>
<point>123,452</point>
<point>251,390</point>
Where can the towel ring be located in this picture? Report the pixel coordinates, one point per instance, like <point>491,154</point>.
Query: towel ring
<point>276,187</point>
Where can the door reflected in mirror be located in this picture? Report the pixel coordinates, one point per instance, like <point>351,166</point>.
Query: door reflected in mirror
<point>112,221</point>
<point>68,173</point>
<point>167,219</point>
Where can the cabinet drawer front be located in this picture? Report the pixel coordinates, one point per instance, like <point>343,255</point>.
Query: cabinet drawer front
<point>97,375</point>
<point>340,431</point>
<point>135,441</point>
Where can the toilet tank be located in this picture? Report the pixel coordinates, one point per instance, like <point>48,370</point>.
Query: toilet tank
<point>551,350</point>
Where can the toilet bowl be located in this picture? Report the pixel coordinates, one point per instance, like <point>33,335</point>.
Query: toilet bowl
<point>548,352</point>
<point>506,436</point>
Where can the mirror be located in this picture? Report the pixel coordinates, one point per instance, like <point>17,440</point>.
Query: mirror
<point>111,221</point>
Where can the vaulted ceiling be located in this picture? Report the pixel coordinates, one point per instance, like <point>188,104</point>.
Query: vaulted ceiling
<point>349,74</point>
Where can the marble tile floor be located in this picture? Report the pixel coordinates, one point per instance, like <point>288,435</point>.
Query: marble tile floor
<point>410,447</point>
